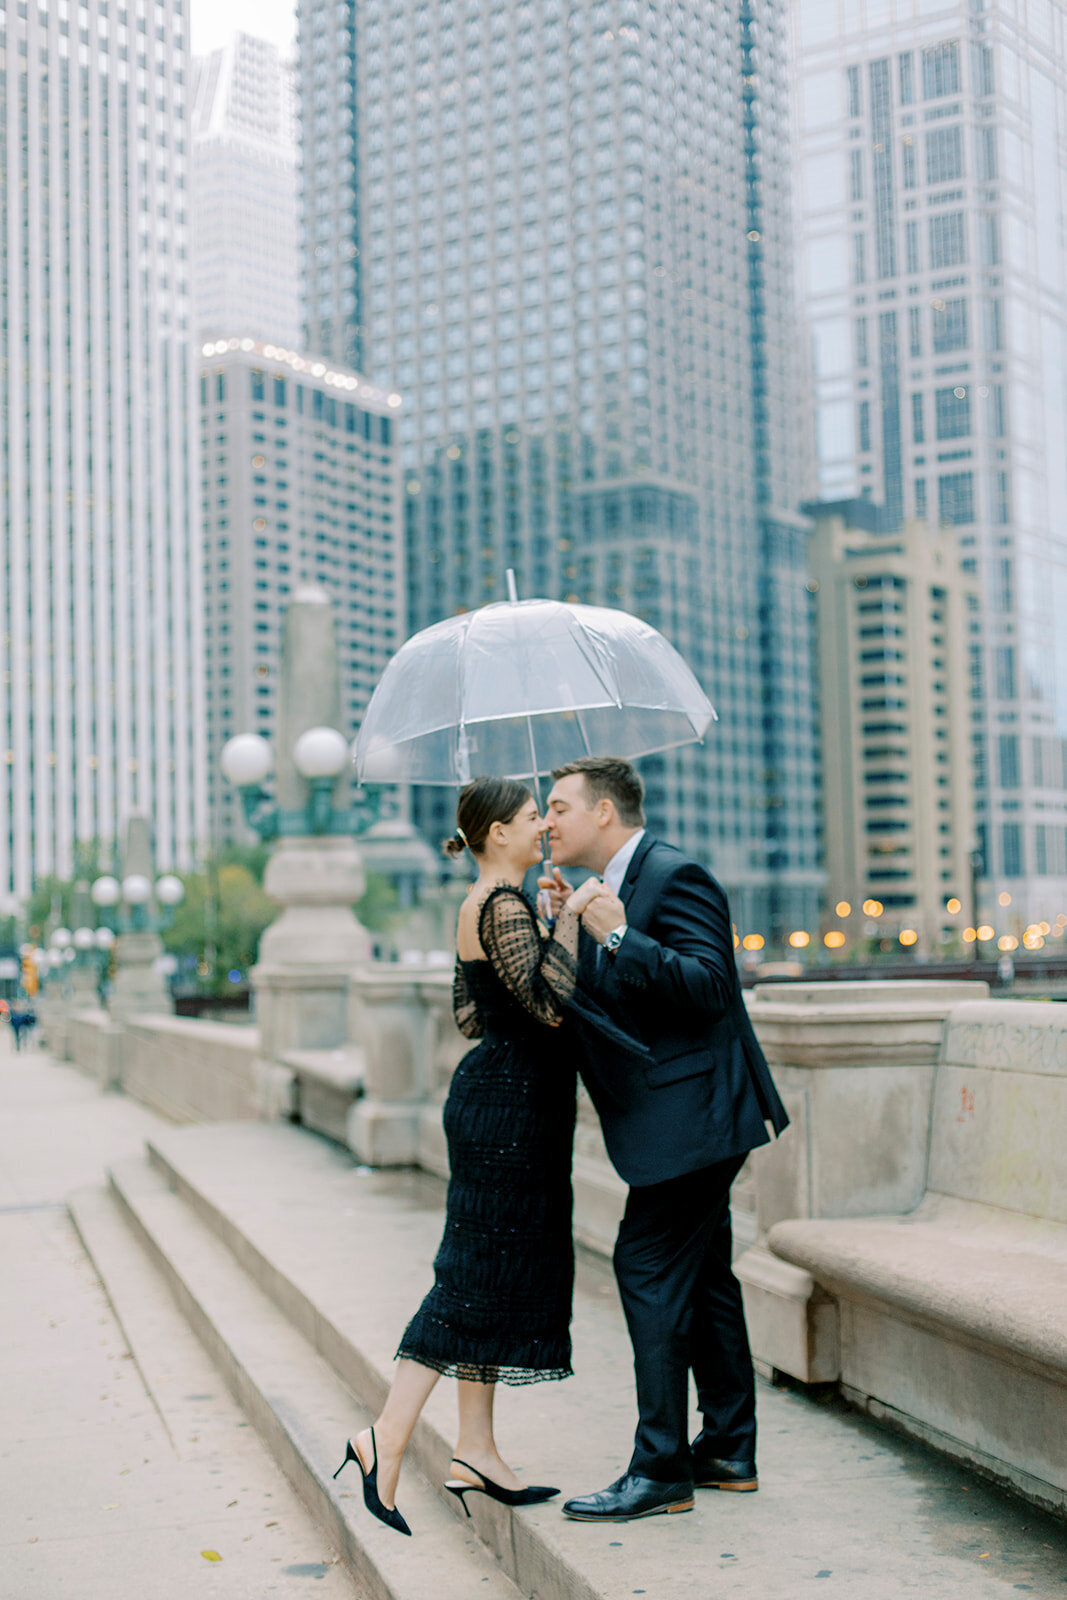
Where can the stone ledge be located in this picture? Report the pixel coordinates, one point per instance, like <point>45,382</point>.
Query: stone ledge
<point>990,1282</point>
<point>326,1086</point>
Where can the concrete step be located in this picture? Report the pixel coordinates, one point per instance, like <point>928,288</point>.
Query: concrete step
<point>300,1407</point>
<point>344,1256</point>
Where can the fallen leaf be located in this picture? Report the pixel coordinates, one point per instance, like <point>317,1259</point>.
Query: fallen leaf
<point>211,1555</point>
<point>230,1503</point>
<point>124,1473</point>
<point>270,1524</point>
<point>32,1539</point>
<point>112,1505</point>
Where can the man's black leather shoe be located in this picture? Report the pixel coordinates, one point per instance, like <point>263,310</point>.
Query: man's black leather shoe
<point>629,1497</point>
<point>711,1473</point>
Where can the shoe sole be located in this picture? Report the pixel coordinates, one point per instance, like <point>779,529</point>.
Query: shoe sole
<point>743,1486</point>
<point>682,1505</point>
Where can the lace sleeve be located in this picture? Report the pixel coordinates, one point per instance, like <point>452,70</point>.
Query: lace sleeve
<point>464,1009</point>
<point>541,973</point>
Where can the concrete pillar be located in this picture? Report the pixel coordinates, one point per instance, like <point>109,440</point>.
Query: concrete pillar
<point>401,1010</point>
<point>138,987</point>
<point>854,1063</point>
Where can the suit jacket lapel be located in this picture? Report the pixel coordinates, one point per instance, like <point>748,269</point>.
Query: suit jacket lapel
<point>629,883</point>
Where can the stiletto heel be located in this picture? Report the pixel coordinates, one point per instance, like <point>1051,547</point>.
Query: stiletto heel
<point>457,1487</point>
<point>531,1496</point>
<point>371,1498</point>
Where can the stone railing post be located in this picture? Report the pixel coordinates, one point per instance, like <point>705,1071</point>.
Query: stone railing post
<point>854,1063</point>
<point>397,1029</point>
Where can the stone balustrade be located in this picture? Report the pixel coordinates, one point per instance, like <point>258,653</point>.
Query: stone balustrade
<point>874,1076</point>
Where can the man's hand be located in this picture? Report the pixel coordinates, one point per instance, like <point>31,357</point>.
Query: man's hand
<point>557,889</point>
<point>604,912</point>
<point>580,898</point>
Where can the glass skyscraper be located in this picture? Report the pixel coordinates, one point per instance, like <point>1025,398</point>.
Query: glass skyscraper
<point>562,233</point>
<point>933,181</point>
<point>101,691</point>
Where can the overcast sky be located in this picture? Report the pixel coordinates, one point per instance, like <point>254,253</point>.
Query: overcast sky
<point>214,22</point>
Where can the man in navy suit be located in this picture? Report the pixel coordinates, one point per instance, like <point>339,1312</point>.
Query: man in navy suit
<point>658,956</point>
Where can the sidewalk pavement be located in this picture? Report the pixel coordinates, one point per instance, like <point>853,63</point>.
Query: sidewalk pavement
<point>110,1490</point>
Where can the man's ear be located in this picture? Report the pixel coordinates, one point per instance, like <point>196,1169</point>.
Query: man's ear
<point>605,812</point>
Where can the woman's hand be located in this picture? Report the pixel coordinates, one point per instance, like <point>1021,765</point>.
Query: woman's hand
<point>556,890</point>
<point>580,899</point>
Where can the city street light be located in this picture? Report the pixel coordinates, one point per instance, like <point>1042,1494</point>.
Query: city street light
<point>319,756</point>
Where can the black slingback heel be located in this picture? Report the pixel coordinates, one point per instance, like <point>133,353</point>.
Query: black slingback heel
<point>371,1498</point>
<point>532,1496</point>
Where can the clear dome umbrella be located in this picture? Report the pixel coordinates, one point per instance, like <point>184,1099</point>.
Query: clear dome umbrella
<point>520,687</point>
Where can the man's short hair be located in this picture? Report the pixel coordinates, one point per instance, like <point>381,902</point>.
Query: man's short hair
<point>609,778</point>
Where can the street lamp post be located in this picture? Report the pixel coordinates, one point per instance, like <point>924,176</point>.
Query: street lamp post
<point>315,871</point>
<point>142,905</point>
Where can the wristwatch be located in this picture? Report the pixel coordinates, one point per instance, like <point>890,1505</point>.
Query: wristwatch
<point>614,939</point>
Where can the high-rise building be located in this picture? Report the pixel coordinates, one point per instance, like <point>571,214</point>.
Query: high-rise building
<point>563,235</point>
<point>101,688</point>
<point>894,610</point>
<point>300,485</point>
<point>933,169</point>
<point>245,259</point>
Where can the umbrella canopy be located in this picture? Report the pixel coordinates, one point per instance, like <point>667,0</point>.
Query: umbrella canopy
<point>518,688</point>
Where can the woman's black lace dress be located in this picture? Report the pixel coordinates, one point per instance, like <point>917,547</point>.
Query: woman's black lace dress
<point>500,1307</point>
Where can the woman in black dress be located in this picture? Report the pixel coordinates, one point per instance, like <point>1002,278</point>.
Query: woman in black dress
<point>500,1307</point>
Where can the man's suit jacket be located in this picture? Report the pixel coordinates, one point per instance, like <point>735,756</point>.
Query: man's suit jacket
<point>704,1092</point>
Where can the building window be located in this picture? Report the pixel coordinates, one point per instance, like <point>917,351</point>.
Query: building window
<point>994,325</point>
<point>950,326</point>
<point>1000,498</point>
<point>953,410</point>
<point>1008,760</point>
<point>852,78</point>
<point>941,70</point>
<point>918,420</point>
<point>985,141</point>
<point>862,352</point>
<point>906,66</point>
<point>948,240</point>
<point>1004,676</point>
<point>911,247</point>
<point>855,183</point>
<point>1011,845</point>
<point>909,170</point>
<point>920,499</point>
<point>859,258</point>
<point>983,68</point>
<point>915,330</point>
<point>955,496</point>
<point>865,425</point>
<point>944,155</point>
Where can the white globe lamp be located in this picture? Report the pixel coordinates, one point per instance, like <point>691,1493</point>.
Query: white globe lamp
<point>170,891</point>
<point>103,938</point>
<point>106,892</point>
<point>136,889</point>
<point>320,753</point>
<point>84,938</point>
<point>246,760</point>
<point>61,938</point>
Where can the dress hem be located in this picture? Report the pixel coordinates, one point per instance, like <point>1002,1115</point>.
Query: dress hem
<point>479,1372</point>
